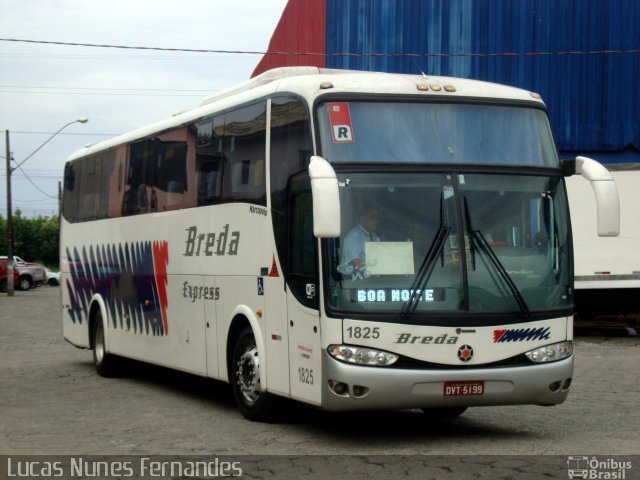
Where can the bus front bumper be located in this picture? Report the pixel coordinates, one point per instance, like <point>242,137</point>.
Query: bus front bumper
<point>381,388</point>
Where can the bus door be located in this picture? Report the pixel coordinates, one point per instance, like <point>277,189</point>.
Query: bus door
<point>276,330</point>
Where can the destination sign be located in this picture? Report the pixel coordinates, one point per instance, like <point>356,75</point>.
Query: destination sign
<point>381,295</point>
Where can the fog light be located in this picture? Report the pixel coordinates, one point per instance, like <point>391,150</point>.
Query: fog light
<point>555,386</point>
<point>566,384</point>
<point>340,388</point>
<point>360,391</point>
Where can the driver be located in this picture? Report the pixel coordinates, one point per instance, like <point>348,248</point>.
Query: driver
<point>352,261</point>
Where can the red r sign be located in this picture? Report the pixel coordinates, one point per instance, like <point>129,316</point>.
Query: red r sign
<point>340,119</point>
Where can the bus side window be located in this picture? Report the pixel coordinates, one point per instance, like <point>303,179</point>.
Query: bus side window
<point>244,148</point>
<point>70,198</point>
<point>86,185</point>
<point>209,160</point>
<point>135,197</point>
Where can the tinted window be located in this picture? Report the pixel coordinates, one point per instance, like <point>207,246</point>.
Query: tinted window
<point>243,155</point>
<point>353,132</point>
<point>290,153</point>
<point>209,160</point>
<point>156,176</point>
<point>302,265</point>
<point>86,187</point>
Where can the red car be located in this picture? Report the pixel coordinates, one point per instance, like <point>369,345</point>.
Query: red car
<point>3,276</point>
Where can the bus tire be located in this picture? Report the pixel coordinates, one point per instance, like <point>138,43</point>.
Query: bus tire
<point>102,359</point>
<point>253,403</point>
<point>445,412</point>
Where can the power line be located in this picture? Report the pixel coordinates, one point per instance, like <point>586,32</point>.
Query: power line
<point>32,183</point>
<point>320,54</point>
<point>31,201</point>
<point>36,171</point>
<point>163,58</point>
<point>127,47</point>
<point>66,133</point>
<point>103,94</point>
<point>43,176</point>
<point>109,88</point>
<point>104,91</point>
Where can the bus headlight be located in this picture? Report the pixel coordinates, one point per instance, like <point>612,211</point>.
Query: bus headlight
<point>362,355</point>
<point>551,353</point>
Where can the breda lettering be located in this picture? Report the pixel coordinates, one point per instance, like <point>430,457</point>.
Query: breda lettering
<point>211,243</point>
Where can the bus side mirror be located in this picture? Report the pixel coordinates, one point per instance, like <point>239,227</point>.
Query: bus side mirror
<point>604,188</point>
<point>326,198</point>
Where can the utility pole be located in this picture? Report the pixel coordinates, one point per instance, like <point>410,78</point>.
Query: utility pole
<point>10,265</point>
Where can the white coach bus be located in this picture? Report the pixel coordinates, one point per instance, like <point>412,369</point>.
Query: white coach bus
<point>350,240</point>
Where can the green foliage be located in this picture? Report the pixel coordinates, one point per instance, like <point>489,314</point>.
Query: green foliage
<point>35,239</point>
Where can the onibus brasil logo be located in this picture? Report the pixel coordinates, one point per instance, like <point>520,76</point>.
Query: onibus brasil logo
<point>585,467</point>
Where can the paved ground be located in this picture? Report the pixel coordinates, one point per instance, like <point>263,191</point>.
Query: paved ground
<point>52,402</point>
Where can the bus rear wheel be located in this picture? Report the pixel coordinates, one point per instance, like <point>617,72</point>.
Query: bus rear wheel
<point>254,403</point>
<point>102,359</point>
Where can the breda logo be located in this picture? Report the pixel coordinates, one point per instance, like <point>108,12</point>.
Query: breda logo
<point>465,353</point>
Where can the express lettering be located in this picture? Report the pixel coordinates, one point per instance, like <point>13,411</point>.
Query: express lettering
<point>196,292</point>
<point>211,243</point>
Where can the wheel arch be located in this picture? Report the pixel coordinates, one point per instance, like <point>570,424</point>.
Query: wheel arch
<point>97,305</point>
<point>242,318</point>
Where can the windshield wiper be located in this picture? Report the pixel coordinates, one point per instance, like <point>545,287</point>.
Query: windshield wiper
<point>476,235</point>
<point>426,268</point>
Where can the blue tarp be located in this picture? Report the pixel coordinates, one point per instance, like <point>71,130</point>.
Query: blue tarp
<point>593,98</point>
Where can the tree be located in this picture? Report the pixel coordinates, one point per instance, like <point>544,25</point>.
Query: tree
<point>35,239</point>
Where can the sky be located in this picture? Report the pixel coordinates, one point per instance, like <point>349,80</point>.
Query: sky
<point>44,87</point>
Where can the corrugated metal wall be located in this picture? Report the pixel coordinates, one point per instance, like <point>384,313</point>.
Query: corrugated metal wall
<point>593,99</point>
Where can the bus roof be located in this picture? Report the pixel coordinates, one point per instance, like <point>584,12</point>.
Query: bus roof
<point>310,82</point>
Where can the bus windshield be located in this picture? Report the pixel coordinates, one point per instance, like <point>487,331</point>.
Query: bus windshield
<point>397,132</point>
<point>451,243</point>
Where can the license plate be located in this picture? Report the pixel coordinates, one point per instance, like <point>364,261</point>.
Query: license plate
<point>463,389</point>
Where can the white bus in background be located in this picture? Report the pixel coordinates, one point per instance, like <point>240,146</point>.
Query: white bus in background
<point>607,269</point>
<point>214,242</point>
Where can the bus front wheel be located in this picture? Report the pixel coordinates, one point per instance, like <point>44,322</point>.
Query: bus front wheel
<point>254,403</point>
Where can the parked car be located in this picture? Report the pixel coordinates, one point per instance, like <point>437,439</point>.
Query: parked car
<point>29,274</point>
<point>53,278</point>
<point>4,272</point>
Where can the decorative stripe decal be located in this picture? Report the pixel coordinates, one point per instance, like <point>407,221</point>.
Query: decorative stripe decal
<point>521,334</point>
<point>160,262</point>
<point>130,277</point>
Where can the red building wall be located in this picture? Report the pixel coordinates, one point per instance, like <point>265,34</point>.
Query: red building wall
<point>301,29</point>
